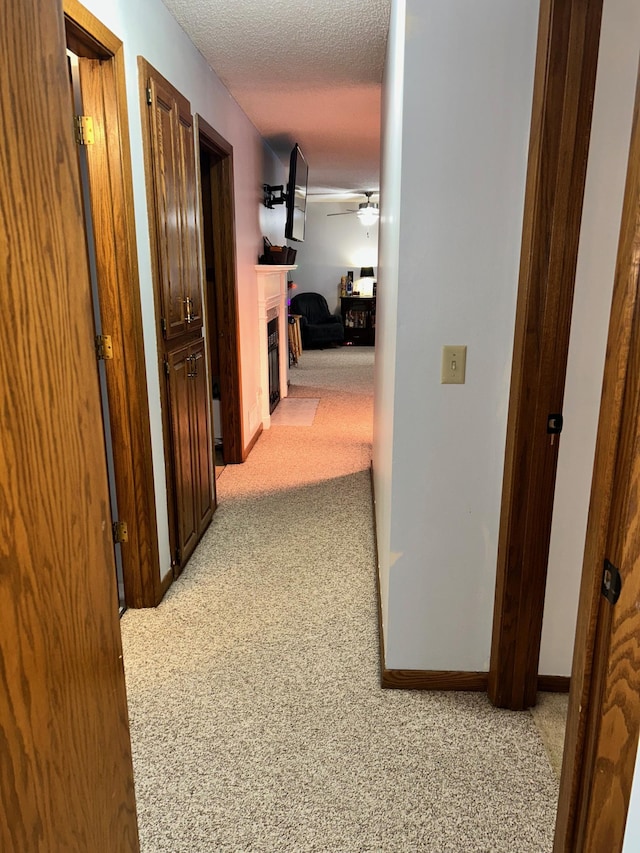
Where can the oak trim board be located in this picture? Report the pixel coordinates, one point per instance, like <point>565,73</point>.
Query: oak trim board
<point>564,83</point>
<point>221,299</point>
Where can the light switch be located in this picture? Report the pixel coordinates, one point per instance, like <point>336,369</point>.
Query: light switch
<point>454,362</point>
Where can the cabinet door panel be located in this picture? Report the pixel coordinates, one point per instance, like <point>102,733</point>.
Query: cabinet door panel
<point>167,191</point>
<point>191,267</point>
<point>182,436</point>
<point>202,439</point>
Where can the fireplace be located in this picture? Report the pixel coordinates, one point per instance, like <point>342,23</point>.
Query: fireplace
<point>273,359</point>
<point>272,314</point>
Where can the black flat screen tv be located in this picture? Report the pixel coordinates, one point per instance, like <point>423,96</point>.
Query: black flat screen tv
<point>296,195</point>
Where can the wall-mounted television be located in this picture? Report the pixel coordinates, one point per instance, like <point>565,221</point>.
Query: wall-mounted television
<point>296,195</point>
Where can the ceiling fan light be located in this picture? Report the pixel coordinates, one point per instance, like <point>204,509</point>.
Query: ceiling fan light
<point>368,213</point>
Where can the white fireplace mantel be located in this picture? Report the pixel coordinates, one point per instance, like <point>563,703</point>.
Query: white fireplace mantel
<point>272,301</point>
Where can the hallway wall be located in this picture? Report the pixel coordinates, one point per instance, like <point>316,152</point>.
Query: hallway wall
<point>148,29</point>
<point>449,256</point>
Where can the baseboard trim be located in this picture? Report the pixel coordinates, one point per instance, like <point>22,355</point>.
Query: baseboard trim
<point>554,683</point>
<point>378,592</point>
<point>251,444</point>
<point>434,679</point>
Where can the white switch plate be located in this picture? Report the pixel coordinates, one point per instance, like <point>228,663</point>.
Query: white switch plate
<point>454,362</point>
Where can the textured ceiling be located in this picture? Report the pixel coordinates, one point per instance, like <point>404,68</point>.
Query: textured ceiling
<point>304,71</point>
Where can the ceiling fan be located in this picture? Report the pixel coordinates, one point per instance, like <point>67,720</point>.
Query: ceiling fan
<point>368,211</point>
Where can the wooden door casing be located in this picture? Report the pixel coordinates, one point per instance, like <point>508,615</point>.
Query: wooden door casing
<point>564,82</point>
<point>67,778</point>
<point>221,299</point>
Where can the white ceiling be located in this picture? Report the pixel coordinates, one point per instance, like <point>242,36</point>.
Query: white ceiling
<point>305,71</point>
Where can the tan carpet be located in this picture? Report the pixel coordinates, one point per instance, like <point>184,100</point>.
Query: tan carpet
<point>257,719</point>
<point>550,716</point>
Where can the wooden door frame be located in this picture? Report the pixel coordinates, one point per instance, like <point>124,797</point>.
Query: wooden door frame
<point>564,84</point>
<point>223,297</point>
<point>604,702</point>
<point>121,309</point>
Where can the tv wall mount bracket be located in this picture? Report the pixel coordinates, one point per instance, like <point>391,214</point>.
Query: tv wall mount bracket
<point>274,195</point>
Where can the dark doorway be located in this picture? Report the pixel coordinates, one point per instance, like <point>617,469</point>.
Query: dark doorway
<point>218,238</point>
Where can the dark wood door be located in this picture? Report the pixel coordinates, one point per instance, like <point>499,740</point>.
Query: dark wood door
<point>201,438</point>
<point>168,196</point>
<point>191,268</point>
<point>66,778</point>
<point>183,435</point>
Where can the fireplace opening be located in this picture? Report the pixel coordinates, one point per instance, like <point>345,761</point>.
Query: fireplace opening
<point>273,357</point>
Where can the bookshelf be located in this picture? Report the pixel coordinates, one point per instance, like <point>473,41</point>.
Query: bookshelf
<point>359,319</point>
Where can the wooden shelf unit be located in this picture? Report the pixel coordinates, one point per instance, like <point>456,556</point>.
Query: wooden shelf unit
<point>359,320</point>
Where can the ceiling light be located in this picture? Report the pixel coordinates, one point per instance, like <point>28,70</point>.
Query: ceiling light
<point>368,213</point>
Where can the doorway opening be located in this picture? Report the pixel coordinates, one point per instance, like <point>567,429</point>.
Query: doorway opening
<point>218,240</point>
<point>109,204</point>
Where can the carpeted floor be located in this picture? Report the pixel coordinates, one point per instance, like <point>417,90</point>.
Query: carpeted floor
<point>257,721</point>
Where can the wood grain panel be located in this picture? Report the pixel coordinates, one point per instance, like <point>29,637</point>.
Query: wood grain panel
<point>593,632</point>
<point>561,124</point>
<point>205,483</point>
<point>66,780</point>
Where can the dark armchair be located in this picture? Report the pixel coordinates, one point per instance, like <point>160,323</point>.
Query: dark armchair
<point>319,327</point>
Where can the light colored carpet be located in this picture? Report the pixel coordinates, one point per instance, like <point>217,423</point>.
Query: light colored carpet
<point>550,716</point>
<point>257,719</point>
<point>293,411</point>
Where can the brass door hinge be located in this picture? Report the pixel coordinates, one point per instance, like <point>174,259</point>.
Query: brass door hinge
<point>104,347</point>
<point>149,96</point>
<point>83,128</point>
<point>120,531</point>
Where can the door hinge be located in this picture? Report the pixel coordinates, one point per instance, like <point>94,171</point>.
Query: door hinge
<point>120,531</point>
<point>83,130</point>
<point>104,347</point>
<point>178,557</point>
<point>163,325</point>
<point>149,96</point>
<point>611,582</point>
<point>167,369</point>
<point>555,422</point>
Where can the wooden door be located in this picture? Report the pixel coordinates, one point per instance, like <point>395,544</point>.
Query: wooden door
<point>165,146</point>
<point>184,438</point>
<point>66,779</point>
<point>191,267</point>
<point>604,703</point>
<point>201,437</point>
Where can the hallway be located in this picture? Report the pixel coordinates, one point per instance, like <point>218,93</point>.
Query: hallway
<point>257,720</point>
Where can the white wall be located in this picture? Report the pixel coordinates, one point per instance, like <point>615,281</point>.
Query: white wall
<point>148,29</point>
<point>604,190</point>
<point>468,82</point>
<point>332,245</point>
<point>387,293</point>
